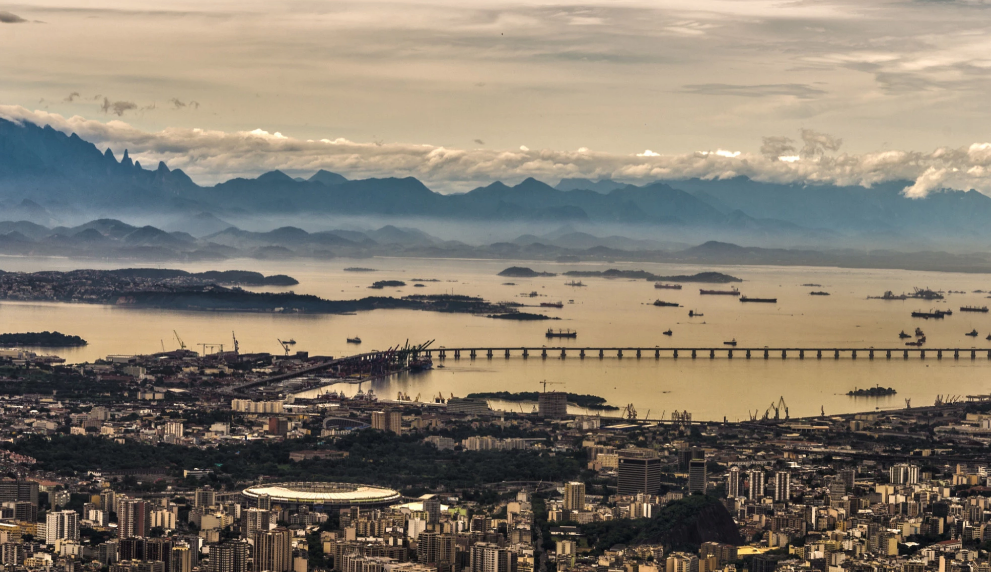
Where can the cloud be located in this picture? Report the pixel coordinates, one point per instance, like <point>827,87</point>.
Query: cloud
<point>212,156</point>
<point>72,97</point>
<point>118,108</point>
<point>799,90</point>
<point>8,18</point>
<point>479,142</point>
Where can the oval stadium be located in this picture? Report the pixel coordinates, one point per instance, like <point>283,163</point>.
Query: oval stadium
<point>318,497</point>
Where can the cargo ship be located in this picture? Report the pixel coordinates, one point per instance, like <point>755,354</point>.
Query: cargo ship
<point>730,343</point>
<point>573,283</point>
<point>667,286</point>
<point>668,332</point>
<point>666,304</point>
<point>972,333</point>
<point>730,292</point>
<point>818,293</point>
<point>764,300</point>
<point>561,333</point>
<point>354,340</point>
<point>552,304</point>
<point>935,314</point>
<point>982,309</point>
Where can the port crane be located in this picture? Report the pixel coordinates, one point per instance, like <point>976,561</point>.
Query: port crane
<point>207,348</point>
<point>629,413</point>
<point>285,346</point>
<point>236,345</point>
<point>182,344</point>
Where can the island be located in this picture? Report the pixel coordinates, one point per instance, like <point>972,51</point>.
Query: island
<point>524,272</point>
<point>359,269</point>
<point>44,339</point>
<point>242,277</point>
<point>578,399</point>
<point>701,277</point>
<point>876,391</point>
<point>387,284</point>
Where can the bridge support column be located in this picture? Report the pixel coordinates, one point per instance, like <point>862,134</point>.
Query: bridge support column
<point>956,354</point>
<point>784,354</point>
<point>543,353</point>
<point>748,354</point>
<point>602,354</point>
<point>619,353</point>
<point>429,353</point>
<point>973,354</point>
<point>472,354</point>
<point>564,353</point>
<point>507,353</point>
<point>443,354</point>
<point>989,354</point>
<point>581,354</point>
<point>693,354</point>
<point>526,353</point>
<point>939,354</point>
<point>887,354</point>
<point>853,354</point>
<point>801,354</point>
<point>836,354</point>
<point>457,354</point>
<point>870,355</point>
<point>712,354</point>
<point>922,354</point>
<point>638,354</point>
<point>905,355</point>
<point>489,354</point>
<point>729,354</point>
<point>818,354</point>
<point>766,355</point>
<point>657,354</point>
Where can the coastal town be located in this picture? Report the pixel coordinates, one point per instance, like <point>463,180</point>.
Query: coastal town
<point>181,462</point>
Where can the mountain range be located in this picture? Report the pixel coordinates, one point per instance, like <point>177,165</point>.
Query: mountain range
<point>50,178</point>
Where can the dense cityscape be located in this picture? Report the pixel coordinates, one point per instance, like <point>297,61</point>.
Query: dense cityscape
<point>177,462</point>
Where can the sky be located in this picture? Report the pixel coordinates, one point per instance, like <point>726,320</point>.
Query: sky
<point>630,89</point>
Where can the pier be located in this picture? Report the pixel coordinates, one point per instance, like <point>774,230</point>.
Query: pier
<point>719,352</point>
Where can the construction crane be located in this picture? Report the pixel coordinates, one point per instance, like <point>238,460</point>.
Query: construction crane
<point>285,346</point>
<point>781,405</point>
<point>236,345</point>
<point>182,344</point>
<point>908,403</point>
<point>546,383</point>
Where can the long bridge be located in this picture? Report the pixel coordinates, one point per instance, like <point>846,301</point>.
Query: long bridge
<point>724,351</point>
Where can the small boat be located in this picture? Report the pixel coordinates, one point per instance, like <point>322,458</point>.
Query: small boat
<point>354,340</point>
<point>666,304</point>
<point>988,338</point>
<point>903,335</point>
<point>818,293</point>
<point>552,304</point>
<point>730,343</point>
<point>668,332</point>
<point>667,286</point>
<point>694,314</point>
<point>291,342</point>
<point>917,343</point>
<point>918,333</point>
<point>972,333</point>
<point>573,283</point>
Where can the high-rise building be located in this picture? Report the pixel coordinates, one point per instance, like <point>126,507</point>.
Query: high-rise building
<point>682,562</point>
<point>184,558</point>
<point>837,487</point>
<point>552,404</point>
<point>432,507</point>
<point>697,477</point>
<point>733,482</point>
<point>755,484</point>
<point>253,520</point>
<point>159,550</point>
<point>903,474</point>
<point>389,421</point>
<point>63,524</point>
<point>639,471</point>
<point>273,551</point>
<point>133,518</point>
<point>782,486</point>
<point>229,557</point>
<point>205,497</point>
<point>278,426</point>
<point>108,500</point>
<point>15,490</point>
<point>574,496</point>
<point>435,549</point>
<point>489,557</point>
<point>686,454</point>
<point>175,429</point>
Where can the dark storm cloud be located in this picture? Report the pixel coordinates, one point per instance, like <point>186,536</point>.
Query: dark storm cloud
<point>118,108</point>
<point>798,90</point>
